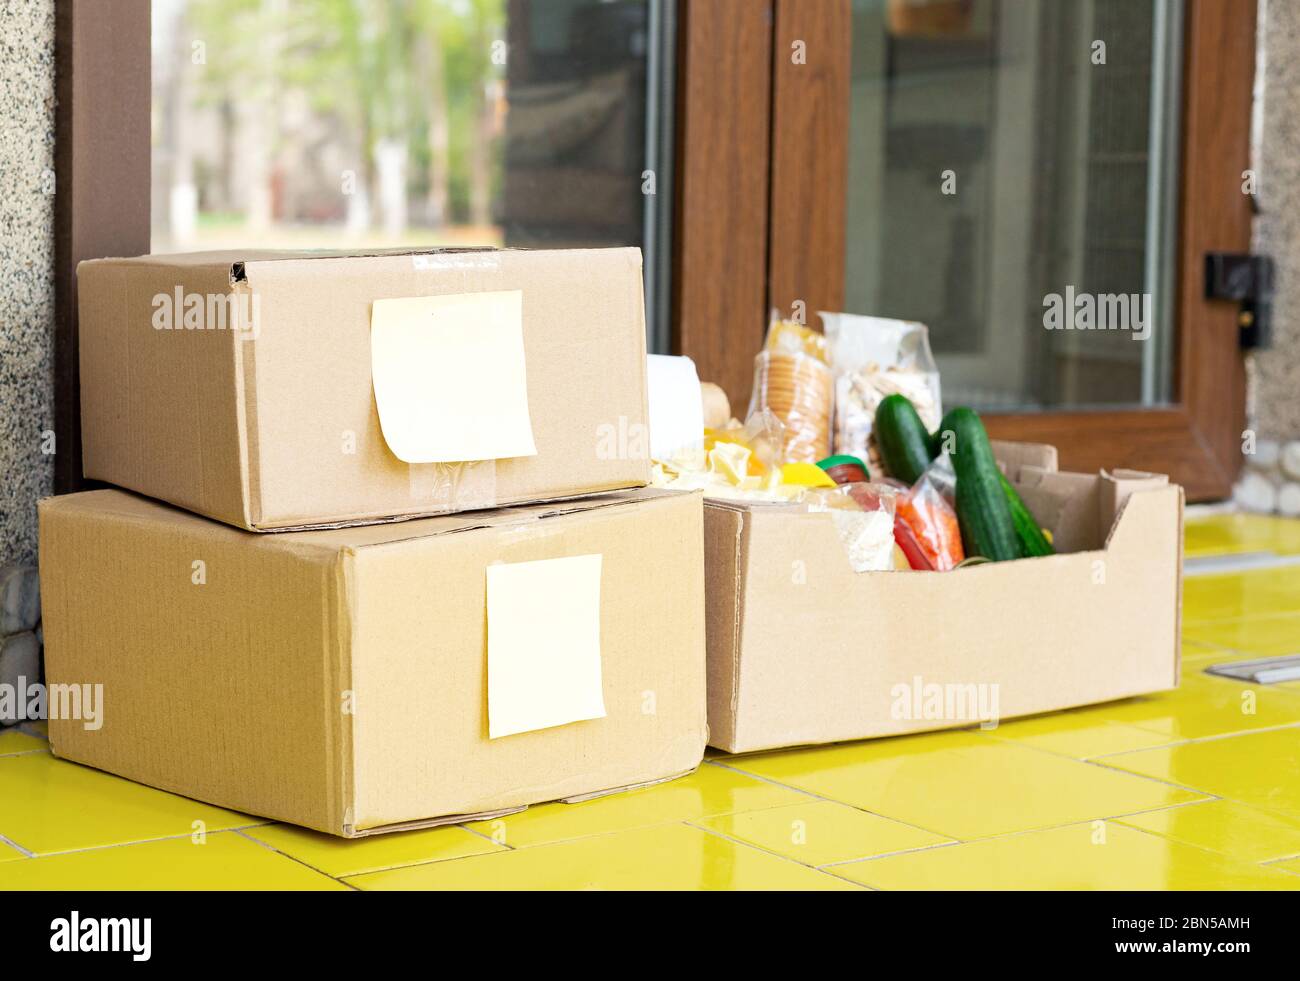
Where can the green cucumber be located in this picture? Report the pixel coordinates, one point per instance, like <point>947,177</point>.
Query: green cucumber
<point>902,438</point>
<point>1032,540</point>
<point>987,527</point>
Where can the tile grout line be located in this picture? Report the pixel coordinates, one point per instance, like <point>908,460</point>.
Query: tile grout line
<point>1197,740</point>
<point>814,796</point>
<point>1111,818</point>
<point>766,851</point>
<point>908,851</point>
<point>479,834</point>
<point>293,858</point>
<point>1007,742</point>
<point>134,841</point>
<point>17,847</point>
<point>1205,848</point>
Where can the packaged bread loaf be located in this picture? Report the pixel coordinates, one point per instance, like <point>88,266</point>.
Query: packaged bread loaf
<point>793,380</point>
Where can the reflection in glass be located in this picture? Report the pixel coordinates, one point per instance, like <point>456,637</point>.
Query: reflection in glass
<point>368,123</point>
<point>1007,153</point>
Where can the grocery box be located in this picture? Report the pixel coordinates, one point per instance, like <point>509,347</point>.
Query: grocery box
<point>802,650</point>
<point>383,677</point>
<point>277,390</point>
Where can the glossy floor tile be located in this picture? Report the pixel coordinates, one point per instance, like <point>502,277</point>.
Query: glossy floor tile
<point>1095,855</point>
<point>1078,735</point>
<point>51,805</point>
<point>1233,596</point>
<point>1258,768</point>
<point>1231,534</point>
<point>1204,706</point>
<point>1290,865</point>
<point>1224,826</point>
<point>710,790</point>
<point>818,832</point>
<point>967,790</point>
<point>1194,788</point>
<point>223,861</point>
<point>340,856</point>
<point>1262,636</point>
<point>14,741</point>
<point>672,856</point>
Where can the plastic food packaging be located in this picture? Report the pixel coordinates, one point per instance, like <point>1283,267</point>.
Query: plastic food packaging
<point>864,521</point>
<point>806,475</point>
<point>845,469</point>
<point>913,552</point>
<point>763,434</point>
<point>793,380</point>
<point>872,357</point>
<point>933,523</point>
<point>791,337</point>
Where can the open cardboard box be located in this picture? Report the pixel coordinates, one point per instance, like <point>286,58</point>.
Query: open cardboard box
<point>346,679</point>
<point>802,650</point>
<point>280,390</point>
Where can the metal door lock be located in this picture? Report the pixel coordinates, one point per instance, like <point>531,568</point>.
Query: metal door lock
<point>1248,279</point>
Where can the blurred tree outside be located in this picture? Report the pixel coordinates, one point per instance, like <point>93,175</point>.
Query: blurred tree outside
<point>275,117</point>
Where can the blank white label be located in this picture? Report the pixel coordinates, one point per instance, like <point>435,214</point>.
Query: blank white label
<point>450,377</point>
<point>543,644</point>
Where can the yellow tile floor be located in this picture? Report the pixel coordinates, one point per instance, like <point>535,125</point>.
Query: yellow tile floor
<point>1193,789</point>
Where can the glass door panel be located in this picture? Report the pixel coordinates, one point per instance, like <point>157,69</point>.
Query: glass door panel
<point>1013,184</point>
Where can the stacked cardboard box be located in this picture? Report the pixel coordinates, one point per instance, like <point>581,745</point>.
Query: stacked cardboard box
<point>470,602</point>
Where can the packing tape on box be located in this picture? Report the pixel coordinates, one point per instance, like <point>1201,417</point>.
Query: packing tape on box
<point>469,486</point>
<point>476,258</point>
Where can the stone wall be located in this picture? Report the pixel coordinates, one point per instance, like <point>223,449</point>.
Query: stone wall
<point>26,278</point>
<point>1275,373</point>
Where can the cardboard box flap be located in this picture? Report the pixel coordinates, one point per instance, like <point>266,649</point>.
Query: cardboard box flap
<point>1013,456</point>
<point>240,271</point>
<point>1082,511</point>
<point>127,507</point>
<point>1135,527</point>
<point>389,269</point>
<point>236,259</point>
<point>1116,488</point>
<point>366,536</point>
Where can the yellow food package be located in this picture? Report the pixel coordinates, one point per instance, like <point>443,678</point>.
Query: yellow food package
<point>806,475</point>
<point>791,337</point>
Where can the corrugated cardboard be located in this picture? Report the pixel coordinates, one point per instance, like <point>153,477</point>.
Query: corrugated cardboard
<point>337,679</point>
<point>803,651</point>
<point>269,422</point>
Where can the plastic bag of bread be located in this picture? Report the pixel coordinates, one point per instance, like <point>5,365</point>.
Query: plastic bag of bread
<point>793,380</point>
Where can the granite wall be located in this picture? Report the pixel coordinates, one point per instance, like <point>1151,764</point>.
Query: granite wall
<point>26,280</point>
<point>1275,373</point>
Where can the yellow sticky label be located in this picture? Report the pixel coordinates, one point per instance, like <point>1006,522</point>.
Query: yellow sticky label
<point>450,377</point>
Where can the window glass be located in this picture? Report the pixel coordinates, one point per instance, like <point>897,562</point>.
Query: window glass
<point>368,123</point>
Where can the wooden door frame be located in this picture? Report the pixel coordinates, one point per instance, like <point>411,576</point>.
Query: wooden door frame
<point>720,228</point>
<point>1196,440</point>
<point>102,156</point>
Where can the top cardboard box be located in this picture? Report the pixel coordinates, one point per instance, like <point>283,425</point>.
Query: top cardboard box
<point>275,390</point>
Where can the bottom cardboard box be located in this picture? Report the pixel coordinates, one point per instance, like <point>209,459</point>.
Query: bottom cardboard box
<point>352,680</point>
<point>802,650</point>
